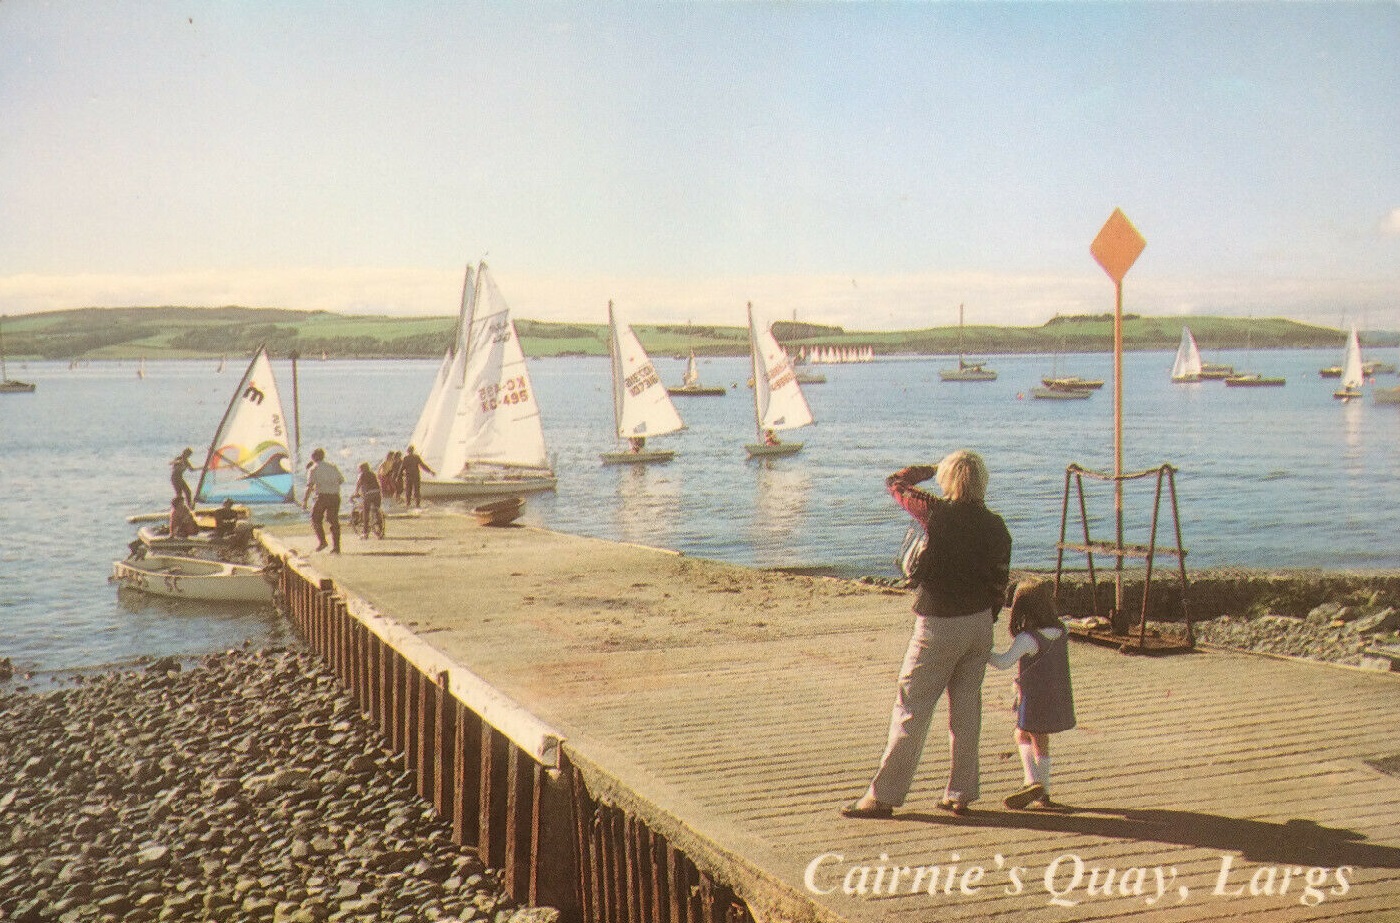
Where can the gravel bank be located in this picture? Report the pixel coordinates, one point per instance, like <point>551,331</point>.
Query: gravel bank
<point>1333,632</point>
<point>246,788</point>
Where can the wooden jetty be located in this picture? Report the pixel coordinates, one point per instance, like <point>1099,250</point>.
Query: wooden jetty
<point>636,736</point>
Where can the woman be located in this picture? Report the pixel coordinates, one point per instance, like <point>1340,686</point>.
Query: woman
<point>962,581</point>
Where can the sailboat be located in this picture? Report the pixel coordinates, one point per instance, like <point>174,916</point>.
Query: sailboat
<point>10,385</point>
<point>250,457</point>
<point>777,397</point>
<point>480,426</point>
<point>690,382</point>
<point>1065,387</point>
<point>1187,367</point>
<point>966,371</point>
<point>641,407</point>
<point>1352,374</point>
<point>141,368</point>
<point>1252,379</point>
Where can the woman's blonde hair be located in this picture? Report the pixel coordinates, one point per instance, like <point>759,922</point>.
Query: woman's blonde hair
<point>962,475</point>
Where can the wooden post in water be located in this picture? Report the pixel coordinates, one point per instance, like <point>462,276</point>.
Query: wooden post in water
<point>1116,248</point>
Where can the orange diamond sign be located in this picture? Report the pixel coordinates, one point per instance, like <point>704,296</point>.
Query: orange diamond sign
<point>1118,245</point>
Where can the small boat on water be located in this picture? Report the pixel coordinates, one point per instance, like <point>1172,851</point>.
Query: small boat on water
<point>155,538</point>
<point>1253,380</point>
<point>10,385</point>
<point>966,371</point>
<point>1058,392</point>
<point>690,383</point>
<point>193,578</point>
<point>499,512</point>
<point>777,397</point>
<point>1073,381</point>
<point>1352,375</point>
<point>1386,395</point>
<point>479,429</point>
<point>641,406</point>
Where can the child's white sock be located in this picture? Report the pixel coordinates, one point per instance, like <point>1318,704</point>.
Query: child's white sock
<point>1028,763</point>
<point>1042,771</point>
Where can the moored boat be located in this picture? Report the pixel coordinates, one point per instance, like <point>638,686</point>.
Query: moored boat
<point>690,383</point>
<point>1061,393</point>
<point>1352,375</point>
<point>966,370</point>
<point>10,385</point>
<point>180,577</point>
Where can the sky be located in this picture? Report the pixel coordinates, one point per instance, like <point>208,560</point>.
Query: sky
<point>868,165</point>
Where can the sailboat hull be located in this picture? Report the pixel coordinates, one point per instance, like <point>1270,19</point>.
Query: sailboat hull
<point>470,488</point>
<point>698,391</point>
<point>1062,394</point>
<point>771,451</point>
<point>969,374</point>
<point>1347,394</point>
<point>11,386</point>
<point>637,458</point>
<point>1386,396</point>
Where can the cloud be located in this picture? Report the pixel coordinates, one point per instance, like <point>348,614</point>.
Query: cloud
<point>1390,224</point>
<point>880,302</point>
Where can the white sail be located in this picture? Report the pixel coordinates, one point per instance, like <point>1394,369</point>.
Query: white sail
<point>778,400</point>
<point>433,431</point>
<point>497,418</point>
<point>641,406</point>
<point>692,373</point>
<point>1188,358</point>
<point>249,459</point>
<point>1352,374</point>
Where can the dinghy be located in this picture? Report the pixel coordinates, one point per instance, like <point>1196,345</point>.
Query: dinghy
<point>480,426</point>
<point>250,457</point>
<point>499,512</point>
<point>193,578</point>
<point>690,383</point>
<point>641,407</point>
<point>1352,375</point>
<point>777,397</point>
<point>1188,366</point>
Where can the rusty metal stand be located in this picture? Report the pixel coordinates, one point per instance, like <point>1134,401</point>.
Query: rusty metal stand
<point>1145,642</point>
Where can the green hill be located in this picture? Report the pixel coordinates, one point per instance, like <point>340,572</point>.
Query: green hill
<point>183,332</point>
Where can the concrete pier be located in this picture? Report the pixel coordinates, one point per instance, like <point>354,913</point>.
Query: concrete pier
<point>640,736</point>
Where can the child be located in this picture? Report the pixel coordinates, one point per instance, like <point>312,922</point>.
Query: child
<point>1044,700</point>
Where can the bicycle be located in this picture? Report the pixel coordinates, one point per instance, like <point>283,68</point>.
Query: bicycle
<point>357,518</point>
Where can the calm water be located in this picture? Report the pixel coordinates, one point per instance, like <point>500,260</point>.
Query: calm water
<point>1268,477</point>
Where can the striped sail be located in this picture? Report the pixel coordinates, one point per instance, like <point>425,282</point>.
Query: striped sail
<point>249,460</point>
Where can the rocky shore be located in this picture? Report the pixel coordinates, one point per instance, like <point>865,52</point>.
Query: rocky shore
<point>245,787</point>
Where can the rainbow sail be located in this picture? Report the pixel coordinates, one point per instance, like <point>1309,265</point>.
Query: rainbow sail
<point>249,460</point>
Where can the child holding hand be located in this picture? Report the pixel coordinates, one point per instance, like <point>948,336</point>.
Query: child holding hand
<point>1044,699</point>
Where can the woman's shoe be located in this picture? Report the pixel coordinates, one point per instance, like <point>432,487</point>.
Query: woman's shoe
<point>956,807</point>
<point>1018,800</point>
<point>876,811</point>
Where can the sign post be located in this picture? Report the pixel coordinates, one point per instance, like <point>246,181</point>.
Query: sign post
<point>1116,248</point>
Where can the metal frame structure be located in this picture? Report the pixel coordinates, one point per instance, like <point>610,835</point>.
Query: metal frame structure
<point>1120,551</point>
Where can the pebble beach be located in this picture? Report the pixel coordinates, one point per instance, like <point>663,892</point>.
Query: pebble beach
<point>242,786</point>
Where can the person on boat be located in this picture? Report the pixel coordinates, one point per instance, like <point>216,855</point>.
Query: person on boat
<point>225,519</point>
<point>178,466</point>
<point>770,437</point>
<point>324,479</point>
<point>368,490</point>
<point>635,444</point>
<point>413,468</point>
<point>961,578</point>
<point>182,523</point>
<point>1044,697</point>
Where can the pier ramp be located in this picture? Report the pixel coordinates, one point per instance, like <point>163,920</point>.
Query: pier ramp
<point>634,735</point>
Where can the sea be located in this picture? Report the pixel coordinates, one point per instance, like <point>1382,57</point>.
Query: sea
<point>1264,477</point>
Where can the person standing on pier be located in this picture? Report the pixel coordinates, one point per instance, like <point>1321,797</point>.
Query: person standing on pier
<point>1044,699</point>
<point>961,582</point>
<point>413,468</point>
<point>324,479</point>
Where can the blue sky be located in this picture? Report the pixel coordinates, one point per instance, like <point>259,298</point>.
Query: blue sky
<point>870,165</point>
